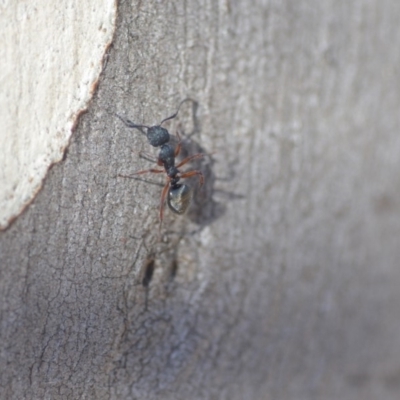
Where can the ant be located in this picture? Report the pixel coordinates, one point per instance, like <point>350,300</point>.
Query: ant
<point>179,194</point>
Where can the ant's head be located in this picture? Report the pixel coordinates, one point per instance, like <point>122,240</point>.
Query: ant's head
<point>157,135</point>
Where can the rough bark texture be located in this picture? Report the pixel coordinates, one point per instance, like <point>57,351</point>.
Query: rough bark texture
<point>283,281</point>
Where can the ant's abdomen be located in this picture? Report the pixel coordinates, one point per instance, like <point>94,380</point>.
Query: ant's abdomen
<point>179,198</point>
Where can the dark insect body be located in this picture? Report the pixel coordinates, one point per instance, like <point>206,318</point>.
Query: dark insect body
<point>148,272</point>
<point>178,194</point>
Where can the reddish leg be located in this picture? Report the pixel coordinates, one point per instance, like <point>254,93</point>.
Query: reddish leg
<point>189,174</point>
<point>151,170</point>
<point>179,145</point>
<point>154,171</point>
<point>148,156</point>
<point>190,158</point>
<point>163,197</point>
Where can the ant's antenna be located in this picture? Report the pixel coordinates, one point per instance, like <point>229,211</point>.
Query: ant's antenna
<point>130,124</point>
<point>174,115</point>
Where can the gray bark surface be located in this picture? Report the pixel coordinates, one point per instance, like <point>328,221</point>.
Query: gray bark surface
<point>283,281</point>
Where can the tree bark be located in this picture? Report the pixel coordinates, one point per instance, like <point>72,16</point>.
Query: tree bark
<point>282,281</point>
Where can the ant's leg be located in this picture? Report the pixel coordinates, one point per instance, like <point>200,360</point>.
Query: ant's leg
<point>179,145</point>
<point>154,171</point>
<point>189,174</point>
<point>163,197</point>
<point>148,156</point>
<point>190,158</point>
